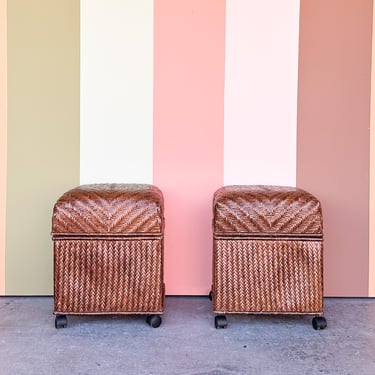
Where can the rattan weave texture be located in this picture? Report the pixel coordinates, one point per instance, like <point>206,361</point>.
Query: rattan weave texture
<point>268,276</point>
<point>101,276</point>
<point>109,209</point>
<point>266,209</point>
<point>108,250</point>
<point>267,250</point>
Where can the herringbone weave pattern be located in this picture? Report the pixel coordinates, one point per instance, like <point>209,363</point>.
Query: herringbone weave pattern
<point>266,209</point>
<point>108,276</point>
<point>109,209</point>
<point>267,276</point>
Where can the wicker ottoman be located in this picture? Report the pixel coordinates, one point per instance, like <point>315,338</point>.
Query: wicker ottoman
<point>267,252</point>
<point>108,251</point>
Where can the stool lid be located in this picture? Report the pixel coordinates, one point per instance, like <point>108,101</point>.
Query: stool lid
<point>260,209</point>
<point>109,209</point>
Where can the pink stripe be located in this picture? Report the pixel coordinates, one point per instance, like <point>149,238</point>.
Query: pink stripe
<point>333,134</point>
<point>189,42</point>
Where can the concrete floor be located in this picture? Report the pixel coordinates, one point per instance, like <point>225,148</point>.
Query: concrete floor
<point>186,343</point>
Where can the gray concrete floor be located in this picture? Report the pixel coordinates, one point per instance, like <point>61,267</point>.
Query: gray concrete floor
<point>186,343</point>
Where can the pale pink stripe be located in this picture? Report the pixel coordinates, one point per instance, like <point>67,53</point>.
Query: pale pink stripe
<point>261,71</point>
<point>189,42</point>
<point>3,137</point>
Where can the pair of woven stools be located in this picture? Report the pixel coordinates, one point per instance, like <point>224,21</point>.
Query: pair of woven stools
<point>108,252</point>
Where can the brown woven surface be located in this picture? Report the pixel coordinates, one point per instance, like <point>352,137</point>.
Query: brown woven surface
<point>109,209</point>
<point>240,209</point>
<point>108,276</point>
<point>267,276</point>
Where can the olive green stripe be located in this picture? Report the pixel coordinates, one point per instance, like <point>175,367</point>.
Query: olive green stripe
<point>43,134</point>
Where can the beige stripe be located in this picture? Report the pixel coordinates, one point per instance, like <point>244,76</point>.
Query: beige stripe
<point>3,136</point>
<point>372,171</point>
<point>43,133</point>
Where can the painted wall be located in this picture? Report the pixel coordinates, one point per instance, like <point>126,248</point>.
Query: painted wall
<point>210,96</point>
<point>333,133</point>
<point>116,126</point>
<point>188,133</point>
<point>372,170</point>
<point>261,70</point>
<point>187,95</point>
<point>43,133</point>
<point>3,137</point>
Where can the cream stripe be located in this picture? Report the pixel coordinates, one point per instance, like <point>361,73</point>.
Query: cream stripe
<point>261,91</point>
<point>3,136</point>
<point>372,172</point>
<point>116,91</point>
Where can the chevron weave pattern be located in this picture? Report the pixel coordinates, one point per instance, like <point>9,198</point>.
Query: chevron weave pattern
<point>108,250</point>
<point>109,209</point>
<point>266,209</point>
<point>268,250</point>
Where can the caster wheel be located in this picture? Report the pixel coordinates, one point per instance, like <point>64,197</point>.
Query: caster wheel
<point>61,321</point>
<point>210,295</point>
<point>319,322</point>
<point>221,321</point>
<point>154,320</point>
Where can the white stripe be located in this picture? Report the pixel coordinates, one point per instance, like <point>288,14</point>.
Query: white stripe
<point>261,75</point>
<point>116,91</point>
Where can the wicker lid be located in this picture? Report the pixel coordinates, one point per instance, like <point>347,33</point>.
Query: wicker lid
<point>269,210</point>
<point>109,209</point>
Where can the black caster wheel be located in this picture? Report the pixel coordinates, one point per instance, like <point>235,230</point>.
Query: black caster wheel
<point>210,295</point>
<point>319,322</point>
<point>61,321</point>
<point>154,320</point>
<point>221,321</point>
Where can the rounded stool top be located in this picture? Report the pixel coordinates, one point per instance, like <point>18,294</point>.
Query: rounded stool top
<point>262,209</point>
<point>107,209</point>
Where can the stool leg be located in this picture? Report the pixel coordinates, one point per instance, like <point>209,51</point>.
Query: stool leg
<point>154,320</point>
<point>221,321</point>
<point>61,321</point>
<point>319,322</point>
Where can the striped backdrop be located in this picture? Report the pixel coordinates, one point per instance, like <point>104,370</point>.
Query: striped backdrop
<point>188,95</point>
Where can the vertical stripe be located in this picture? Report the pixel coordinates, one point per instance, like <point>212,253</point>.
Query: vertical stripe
<point>189,53</point>
<point>43,133</point>
<point>3,136</point>
<point>261,92</point>
<point>372,170</point>
<point>333,133</point>
<point>116,90</point>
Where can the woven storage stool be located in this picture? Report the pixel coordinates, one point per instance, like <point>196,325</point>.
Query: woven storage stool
<point>108,252</point>
<point>267,252</point>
